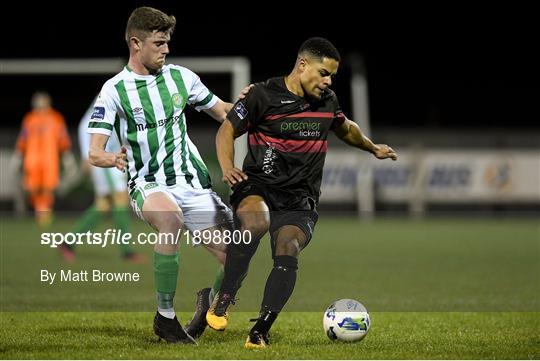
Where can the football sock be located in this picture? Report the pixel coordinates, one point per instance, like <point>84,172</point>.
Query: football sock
<point>236,266</point>
<point>166,275</point>
<point>219,280</point>
<point>280,283</point>
<point>121,221</point>
<point>265,321</point>
<point>217,283</point>
<point>89,219</point>
<point>43,201</point>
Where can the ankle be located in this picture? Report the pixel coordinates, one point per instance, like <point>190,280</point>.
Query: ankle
<point>265,321</point>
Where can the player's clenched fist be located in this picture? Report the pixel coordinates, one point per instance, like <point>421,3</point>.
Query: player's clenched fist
<point>120,161</point>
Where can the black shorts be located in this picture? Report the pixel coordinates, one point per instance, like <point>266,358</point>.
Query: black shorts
<point>287,208</point>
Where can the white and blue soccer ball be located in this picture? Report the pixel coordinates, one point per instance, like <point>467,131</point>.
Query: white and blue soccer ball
<point>346,320</point>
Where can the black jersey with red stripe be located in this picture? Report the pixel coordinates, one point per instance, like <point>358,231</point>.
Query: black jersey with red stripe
<point>286,135</point>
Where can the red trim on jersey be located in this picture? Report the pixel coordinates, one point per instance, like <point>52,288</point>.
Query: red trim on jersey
<point>289,145</point>
<point>301,115</point>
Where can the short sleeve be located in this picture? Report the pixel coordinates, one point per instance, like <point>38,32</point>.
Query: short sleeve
<point>199,96</point>
<point>84,137</point>
<point>339,118</point>
<point>104,113</point>
<point>247,112</point>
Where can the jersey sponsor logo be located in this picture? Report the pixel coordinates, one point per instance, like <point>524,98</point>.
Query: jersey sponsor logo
<point>137,110</point>
<point>304,129</point>
<point>177,100</point>
<point>99,113</point>
<point>160,123</point>
<point>240,110</point>
<point>268,159</point>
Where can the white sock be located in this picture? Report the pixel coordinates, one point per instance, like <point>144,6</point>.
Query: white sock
<point>167,312</point>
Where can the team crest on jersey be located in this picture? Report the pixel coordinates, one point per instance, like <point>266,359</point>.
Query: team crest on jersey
<point>99,113</point>
<point>177,100</point>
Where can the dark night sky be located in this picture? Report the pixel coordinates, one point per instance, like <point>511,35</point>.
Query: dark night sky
<point>434,68</point>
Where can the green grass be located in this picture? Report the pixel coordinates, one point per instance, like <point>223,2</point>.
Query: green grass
<point>299,335</point>
<point>447,288</point>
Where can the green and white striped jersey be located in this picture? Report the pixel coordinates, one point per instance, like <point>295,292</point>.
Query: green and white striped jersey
<point>147,112</point>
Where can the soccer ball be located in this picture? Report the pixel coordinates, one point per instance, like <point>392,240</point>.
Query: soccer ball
<point>346,320</point>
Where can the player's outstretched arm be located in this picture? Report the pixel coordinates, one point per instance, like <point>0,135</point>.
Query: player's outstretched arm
<point>225,154</point>
<point>98,157</point>
<point>350,133</point>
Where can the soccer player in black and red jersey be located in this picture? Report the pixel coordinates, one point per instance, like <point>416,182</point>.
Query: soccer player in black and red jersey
<point>287,120</point>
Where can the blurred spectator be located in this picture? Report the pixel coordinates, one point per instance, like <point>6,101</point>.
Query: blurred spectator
<point>43,139</point>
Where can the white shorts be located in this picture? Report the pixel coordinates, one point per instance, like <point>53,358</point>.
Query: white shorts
<point>108,181</point>
<point>201,208</point>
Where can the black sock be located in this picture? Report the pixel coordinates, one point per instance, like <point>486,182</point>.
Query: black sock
<point>236,266</point>
<point>280,283</point>
<point>265,321</point>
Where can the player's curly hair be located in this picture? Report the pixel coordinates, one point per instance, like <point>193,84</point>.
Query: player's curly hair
<point>144,20</point>
<point>319,48</point>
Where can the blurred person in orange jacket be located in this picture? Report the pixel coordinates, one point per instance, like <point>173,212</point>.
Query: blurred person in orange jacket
<point>43,139</point>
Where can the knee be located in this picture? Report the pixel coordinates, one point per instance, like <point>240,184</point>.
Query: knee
<point>256,224</point>
<point>168,222</point>
<point>290,247</point>
<point>253,215</point>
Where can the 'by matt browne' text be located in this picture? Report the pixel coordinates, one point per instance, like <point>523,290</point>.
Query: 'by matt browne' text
<point>94,275</point>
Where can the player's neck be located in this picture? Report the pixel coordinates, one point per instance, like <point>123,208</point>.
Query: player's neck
<point>292,82</point>
<point>138,68</point>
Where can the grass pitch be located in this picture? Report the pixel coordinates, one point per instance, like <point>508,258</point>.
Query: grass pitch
<point>296,335</point>
<point>435,289</point>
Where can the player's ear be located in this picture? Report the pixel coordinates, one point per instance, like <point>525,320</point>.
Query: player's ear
<point>302,64</point>
<point>135,42</point>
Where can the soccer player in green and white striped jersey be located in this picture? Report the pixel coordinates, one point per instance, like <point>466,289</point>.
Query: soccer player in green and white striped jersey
<point>167,178</point>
